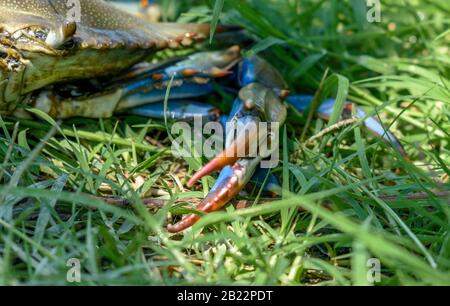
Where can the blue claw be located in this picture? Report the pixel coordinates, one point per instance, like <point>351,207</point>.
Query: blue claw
<point>302,103</point>
<point>202,65</point>
<point>177,110</point>
<point>192,77</point>
<point>147,91</point>
<point>230,182</point>
<point>216,64</point>
<point>378,129</point>
<point>257,70</point>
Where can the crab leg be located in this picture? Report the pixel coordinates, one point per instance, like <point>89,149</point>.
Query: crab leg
<point>213,64</point>
<point>188,78</point>
<point>184,110</point>
<point>302,102</point>
<point>145,84</point>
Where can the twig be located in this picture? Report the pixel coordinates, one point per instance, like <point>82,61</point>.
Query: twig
<point>153,203</point>
<point>149,202</point>
<point>241,204</point>
<point>415,196</point>
<point>332,128</point>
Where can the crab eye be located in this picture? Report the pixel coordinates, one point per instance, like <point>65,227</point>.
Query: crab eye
<point>69,28</point>
<point>3,55</point>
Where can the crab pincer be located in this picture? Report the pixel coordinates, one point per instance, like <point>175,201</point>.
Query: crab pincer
<point>248,144</point>
<point>231,181</point>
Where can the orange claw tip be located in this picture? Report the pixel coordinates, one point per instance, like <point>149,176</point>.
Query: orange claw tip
<point>226,158</point>
<point>220,73</point>
<point>229,183</point>
<point>214,165</point>
<point>157,77</point>
<point>189,72</point>
<point>185,223</point>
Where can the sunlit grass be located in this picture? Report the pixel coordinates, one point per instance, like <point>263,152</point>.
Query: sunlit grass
<point>347,196</point>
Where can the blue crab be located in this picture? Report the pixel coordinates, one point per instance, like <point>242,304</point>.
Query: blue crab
<point>97,66</point>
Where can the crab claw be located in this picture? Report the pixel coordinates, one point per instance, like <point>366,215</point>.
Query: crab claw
<point>246,147</point>
<point>255,104</point>
<point>231,181</point>
<point>238,148</point>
